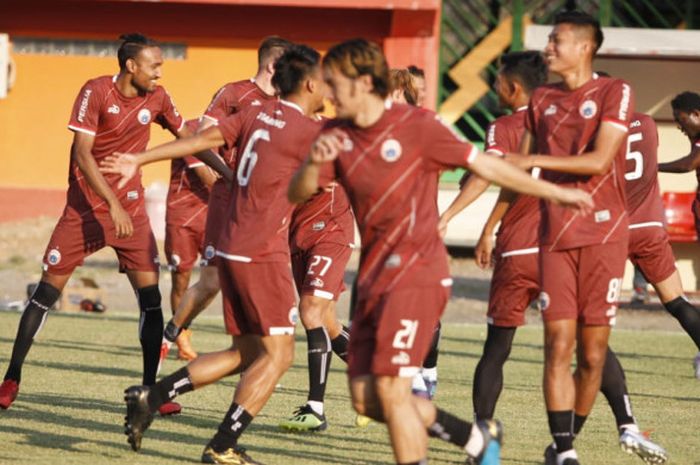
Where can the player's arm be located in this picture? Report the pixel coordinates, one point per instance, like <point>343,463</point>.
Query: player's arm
<point>205,174</point>
<point>596,162</point>
<point>209,158</point>
<point>511,177</point>
<point>484,246</point>
<point>81,152</point>
<point>470,191</point>
<point>305,182</point>
<point>685,164</point>
<point>127,165</point>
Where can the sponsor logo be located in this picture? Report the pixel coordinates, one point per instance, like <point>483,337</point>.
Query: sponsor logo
<point>588,109</point>
<point>543,301</point>
<point>602,216</point>
<point>635,124</point>
<point>175,260</point>
<point>391,150</point>
<point>84,105</point>
<point>293,315</point>
<point>114,109</point>
<point>551,110</point>
<point>270,121</point>
<point>394,261</point>
<point>402,358</point>
<point>625,102</point>
<point>278,113</point>
<point>318,226</point>
<point>255,103</point>
<point>144,116</point>
<point>317,282</point>
<point>54,257</point>
<point>491,136</point>
<point>132,195</point>
<point>209,252</point>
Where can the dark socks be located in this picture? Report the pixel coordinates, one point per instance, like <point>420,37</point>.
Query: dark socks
<point>687,315</point>
<point>235,422</point>
<point>319,357</point>
<point>450,428</point>
<point>561,425</point>
<point>579,420</point>
<point>169,387</point>
<point>432,357</point>
<point>43,298</point>
<point>151,331</point>
<point>488,377</point>
<point>614,388</point>
<point>340,344</point>
<point>171,331</point>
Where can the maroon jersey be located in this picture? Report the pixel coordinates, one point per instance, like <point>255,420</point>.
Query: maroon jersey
<point>119,124</point>
<point>187,194</point>
<point>517,233</point>
<point>644,203</point>
<point>565,123</point>
<point>272,141</point>
<point>326,213</point>
<point>390,172</point>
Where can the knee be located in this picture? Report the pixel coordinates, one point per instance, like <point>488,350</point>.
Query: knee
<point>392,391</point>
<point>149,298</point>
<point>559,351</point>
<point>311,311</point>
<point>365,402</point>
<point>283,355</point>
<point>592,358</point>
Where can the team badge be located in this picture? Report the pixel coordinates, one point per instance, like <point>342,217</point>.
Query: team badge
<point>317,282</point>
<point>144,116</point>
<point>318,226</point>
<point>588,109</point>
<point>209,252</point>
<point>54,257</point>
<point>391,150</point>
<point>543,301</point>
<point>293,315</point>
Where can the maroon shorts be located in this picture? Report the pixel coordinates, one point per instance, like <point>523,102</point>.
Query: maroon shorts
<point>216,219</point>
<point>391,332</point>
<point>582,284</point>
<point>182,244</point>
<point>319,270</point>
<point>76,237</point>
<point>515,283</point>
<point>258,298</point>
<point>650,250</point>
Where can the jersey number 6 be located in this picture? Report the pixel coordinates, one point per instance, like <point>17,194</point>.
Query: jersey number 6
<point>250,157</point>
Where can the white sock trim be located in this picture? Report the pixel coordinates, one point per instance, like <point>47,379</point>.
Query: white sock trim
<point>316,406</point>
<point>569,454</point>
<point>476,442</point>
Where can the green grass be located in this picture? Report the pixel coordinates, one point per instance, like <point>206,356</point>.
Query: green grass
<point>70,409</point>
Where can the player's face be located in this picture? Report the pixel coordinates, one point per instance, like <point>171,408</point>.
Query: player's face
<point>320,90</point>
<point>688,123</point>
<point>504,90</point>
<point>419,84</point>
<point>565,49</point>
<point>344,93</point>
<point>147,69</point>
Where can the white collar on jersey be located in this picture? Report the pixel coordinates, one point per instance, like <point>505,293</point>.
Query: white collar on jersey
<point>292,105</point>
<point>388,103</point>
<point>523,108</point>
<point>114,78</point>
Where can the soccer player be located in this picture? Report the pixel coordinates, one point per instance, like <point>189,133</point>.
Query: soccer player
<point>271,141</point>
<point>321,237</point>
<point>110,113</point>
<point>515,278</point>
<point>578,128</point>
<point>230,99</point>
<point>388,156</point>
<point>686,111</point>
<point>185,217</point>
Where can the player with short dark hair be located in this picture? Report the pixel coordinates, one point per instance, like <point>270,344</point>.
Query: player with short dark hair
<point>578,128</point>
<point>229,99</point>
<point>388,157</point>
<point>419,83</point>
<point>110,113</point>
<point>271,141</point>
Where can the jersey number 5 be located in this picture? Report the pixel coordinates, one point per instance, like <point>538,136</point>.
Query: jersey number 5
<point>635,156</point>
<point>250,157</point>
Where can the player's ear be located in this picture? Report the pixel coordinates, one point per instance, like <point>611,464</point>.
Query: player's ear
<point>130,65</point>
<point>365,83</point>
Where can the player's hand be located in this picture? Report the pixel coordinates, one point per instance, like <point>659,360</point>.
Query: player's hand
<point>327,147</point>
<point>124,164</point>
<point>483,253</point>
<point>521,161</point>
<point>121,220</point>
<point>576,199</point>
<point>442,227</point>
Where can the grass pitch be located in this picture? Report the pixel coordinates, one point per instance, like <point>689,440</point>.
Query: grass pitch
<point>70,408</point>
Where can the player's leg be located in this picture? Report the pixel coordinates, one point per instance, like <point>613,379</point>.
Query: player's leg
<point>197,297</point>
<point>64,252</point>
<point>614,388</point>
<point>670,291</point>
<point>429,371</point>
<point>488,376</point>
<point>591,354</point>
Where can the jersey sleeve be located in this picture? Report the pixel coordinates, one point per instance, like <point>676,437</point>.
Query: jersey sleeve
<point>496,139</point>
<point>617,105</point>
<point>218,108</point>
<point>231,127</point>
<point>169,118</point>
<point>85,116</point>
<point>443,147</point>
